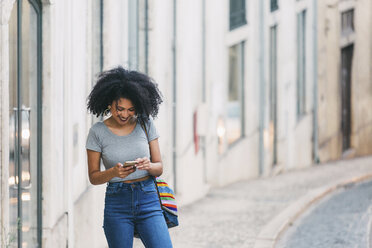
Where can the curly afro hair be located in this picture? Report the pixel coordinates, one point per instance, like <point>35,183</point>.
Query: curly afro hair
<point>121,83</point>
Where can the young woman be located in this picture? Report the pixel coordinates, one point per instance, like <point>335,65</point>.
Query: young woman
<point>131,201</point>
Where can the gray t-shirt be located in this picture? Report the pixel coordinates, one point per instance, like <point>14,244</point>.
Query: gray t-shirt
<point>118,149</point>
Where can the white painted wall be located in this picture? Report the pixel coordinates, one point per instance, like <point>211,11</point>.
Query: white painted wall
<point>66,61</point>
<point>67,81</point>
<point>161,70</point>
<point>5,11</point>
<point>294,136</point>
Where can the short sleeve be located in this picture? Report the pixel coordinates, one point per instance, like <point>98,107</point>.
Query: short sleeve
<point>93,142</point>
<point>151,130</point>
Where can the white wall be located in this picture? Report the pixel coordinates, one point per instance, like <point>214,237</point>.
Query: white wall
<point>67,80</point>
<point>161,70</point>
<point>66,61</point>
<point>240,161</point>
<point>189,97</point>
<point>294,135</point>
<point>5,10</point>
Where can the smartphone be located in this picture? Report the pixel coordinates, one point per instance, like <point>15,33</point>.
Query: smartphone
<point>130,163</point>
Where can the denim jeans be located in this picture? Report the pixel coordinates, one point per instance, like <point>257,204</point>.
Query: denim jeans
<point>130,206</point>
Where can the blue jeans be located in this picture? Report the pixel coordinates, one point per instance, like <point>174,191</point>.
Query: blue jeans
<point>130,206</point>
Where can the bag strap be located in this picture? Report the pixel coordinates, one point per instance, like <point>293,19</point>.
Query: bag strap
<point>144,128</point>
<point>153,177</point>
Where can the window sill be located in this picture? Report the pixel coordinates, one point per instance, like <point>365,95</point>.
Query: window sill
<point>237,35</point>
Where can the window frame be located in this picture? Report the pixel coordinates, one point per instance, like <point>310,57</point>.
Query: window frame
<point>240,91</point>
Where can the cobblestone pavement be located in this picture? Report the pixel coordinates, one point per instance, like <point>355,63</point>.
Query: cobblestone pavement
<point>234,215</point>
<point>340,220</point>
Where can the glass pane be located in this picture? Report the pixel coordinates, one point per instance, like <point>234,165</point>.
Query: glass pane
<point>29,125</point>
<point>273,93</point>
<point>97,44</point>
<point>237,13</point>
<point>133,35</point>
<point>27,148</point>
<point>272,74</point>
<point>96,38</point>
<point>274,5</point>
<point>13,172</point>
<point>234,118</point>
<point>142,35</point>
<point>301,62</point>
<point>347,22</point>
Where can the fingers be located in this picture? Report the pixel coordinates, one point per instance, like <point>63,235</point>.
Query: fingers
<point>129,168</point>
<point>142,160</point>
<point>125,172</point>
<point>122,171</point>
<point>143,163</point>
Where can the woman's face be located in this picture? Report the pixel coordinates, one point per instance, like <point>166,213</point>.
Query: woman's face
<point>122,111</point>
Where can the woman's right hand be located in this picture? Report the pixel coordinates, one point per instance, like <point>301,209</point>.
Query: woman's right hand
<point>122,172</point>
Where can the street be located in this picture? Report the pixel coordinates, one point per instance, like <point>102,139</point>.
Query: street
<point>341,220</point>
<point>235,215</point>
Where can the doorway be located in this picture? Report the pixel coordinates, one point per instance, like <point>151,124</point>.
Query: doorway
<point>25,125</point>
<point>346,66</point>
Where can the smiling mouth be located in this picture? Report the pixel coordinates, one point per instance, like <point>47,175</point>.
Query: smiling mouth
<point>123,119</point>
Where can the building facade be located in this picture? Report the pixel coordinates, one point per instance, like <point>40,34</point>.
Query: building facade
<point>250,88</point>
<point>344,64</point>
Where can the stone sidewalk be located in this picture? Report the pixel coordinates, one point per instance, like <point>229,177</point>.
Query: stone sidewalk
<point>252,213</point>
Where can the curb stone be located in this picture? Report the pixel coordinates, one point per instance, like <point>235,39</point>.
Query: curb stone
<point>269,235</point>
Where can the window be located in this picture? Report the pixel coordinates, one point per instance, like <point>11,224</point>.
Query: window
<point>138,35</point>
<point>273,90</point>
<point>273,70</point>
<point>97,44</point>
<point>25,123</point>
<point>133,35</point>
<point>347,22</point>
<point>97,37</point>
<point>235,103</point>
<point>274,5</point>
<point>301,63</point>
<point>237,14</point>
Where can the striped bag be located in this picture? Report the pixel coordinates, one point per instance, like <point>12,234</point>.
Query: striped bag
<point>166,196</point>
<point>167,202</point>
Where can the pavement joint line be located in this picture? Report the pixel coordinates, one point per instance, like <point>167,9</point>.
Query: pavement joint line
<point>270,233</point>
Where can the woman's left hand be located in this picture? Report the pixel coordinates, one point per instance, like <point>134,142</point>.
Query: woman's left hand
<point>143,164</point>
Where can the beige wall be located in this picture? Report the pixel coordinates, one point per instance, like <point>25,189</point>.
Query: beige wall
<point>329,61</point>
<point>362,80</point>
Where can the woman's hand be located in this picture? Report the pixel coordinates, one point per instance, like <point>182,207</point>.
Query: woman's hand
<point>155,166</point>
<point>143,164</point>
<point>122,172</point>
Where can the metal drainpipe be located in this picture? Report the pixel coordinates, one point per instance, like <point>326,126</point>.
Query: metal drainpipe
<point>146,36</point>
<point>204,98</point>
<point>315,88</point>
<point>261,87</point>
<point>19,120</point>
<point>101,35</point>
<point>203,52</point>
<point>67,87</point>
<point>174,101</point>
<point>39,132</point>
